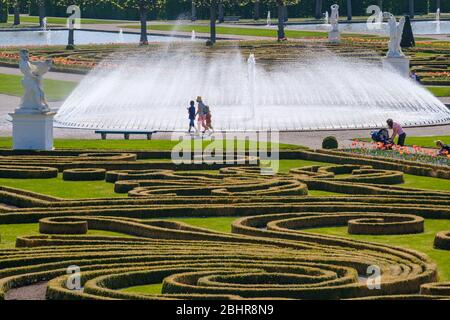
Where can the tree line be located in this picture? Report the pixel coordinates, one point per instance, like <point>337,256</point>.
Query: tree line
<point>214,10</point>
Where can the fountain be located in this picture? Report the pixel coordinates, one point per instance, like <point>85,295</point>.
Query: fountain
<point>193,35</point>
<point>438,20</point>
<point>319,91</point>
<point>334,35</point>
<point>251,62</point>
<point>269,19</point>
<point>326,18</point>
<point>48,37</point>
<point>120,38</point>
<point>44,24</point>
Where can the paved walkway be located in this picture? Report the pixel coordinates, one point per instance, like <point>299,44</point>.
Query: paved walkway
<point>50,75</point>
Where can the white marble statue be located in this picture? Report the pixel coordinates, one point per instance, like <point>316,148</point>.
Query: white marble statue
<point>334,18</point>
<point>33,100</point>
<point>395,32</point>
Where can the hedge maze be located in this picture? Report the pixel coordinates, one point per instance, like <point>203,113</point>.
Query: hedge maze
<point>271,252</point>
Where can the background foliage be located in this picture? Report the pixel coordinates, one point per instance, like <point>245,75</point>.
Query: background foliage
<point>181,8</point>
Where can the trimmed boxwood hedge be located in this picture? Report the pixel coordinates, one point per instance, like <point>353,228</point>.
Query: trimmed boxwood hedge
<point>441,289</point>
<point>84,174</point>
<point>442,240</point>
<point>386,225</point>
<point>21,172</point>
<point>268,255</point>
<point>62,225</point>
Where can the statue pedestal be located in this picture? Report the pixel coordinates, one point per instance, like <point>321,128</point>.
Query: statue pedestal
<point>400,65</point>
<point>32,131</point>
<point>334,37</point>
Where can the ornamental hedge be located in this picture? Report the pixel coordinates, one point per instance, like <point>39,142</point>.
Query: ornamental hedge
<point>270,253</point>
<point>62,226</point>
<point>84,174</point>
<point>442,240</point>
<point>22,172</point>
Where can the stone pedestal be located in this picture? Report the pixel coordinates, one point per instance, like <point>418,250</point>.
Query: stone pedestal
<point>334,37</point>
<point>32,131</point>
<point>400,65</point>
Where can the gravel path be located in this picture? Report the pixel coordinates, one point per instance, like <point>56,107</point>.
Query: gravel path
<point>32,292</point>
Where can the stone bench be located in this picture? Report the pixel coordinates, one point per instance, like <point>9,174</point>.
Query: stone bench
<point>231,18</point>
<point>126,134</point>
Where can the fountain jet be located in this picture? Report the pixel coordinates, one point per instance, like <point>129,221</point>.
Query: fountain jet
<point>317,92</point>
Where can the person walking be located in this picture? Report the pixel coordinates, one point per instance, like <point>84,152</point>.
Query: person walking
<point>191,112</point>
<point>201,113</point>
<point>397,130</point>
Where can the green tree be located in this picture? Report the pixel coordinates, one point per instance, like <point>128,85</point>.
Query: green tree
<point>3,11</point>
<point>281,9</point>
<point>41,8</point>
<point>408,35</point>
<point>318,9</point>
<point>411,9</point>
<point>256,10</point>
<point>213,7</point>
<point>144,7</point>
<point>349,10</point>
<point>79,3</point>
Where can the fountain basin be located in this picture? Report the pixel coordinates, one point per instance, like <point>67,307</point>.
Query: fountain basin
<point>82,37</point>
<point>419,27</point>
<point>319,92</point>
<point>264,118</point>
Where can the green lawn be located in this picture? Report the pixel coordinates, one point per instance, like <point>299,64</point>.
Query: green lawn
<point>220,224</point>
<point>426,141</point>
<point>9,233</point>
<point>10,25</point>
<point>286,165</point>
<point>145,289</point>
<point>114,144</point>
<point>57,187</point>
<point>54,89</point>
<point>422,242</point>
<point>426,183</point>
<point>239,31</point>
<point>440,91</point>
<point>257,32</point>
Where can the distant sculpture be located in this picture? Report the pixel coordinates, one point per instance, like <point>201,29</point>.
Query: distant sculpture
<point>395,32</point>
<point>334,34</point>
<point>334,19</point>
<point>33,100</point>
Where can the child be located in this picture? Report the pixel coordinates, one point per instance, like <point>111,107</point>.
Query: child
<point>191,111</point>
<point>208,119</point>
<point>444,148</point>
